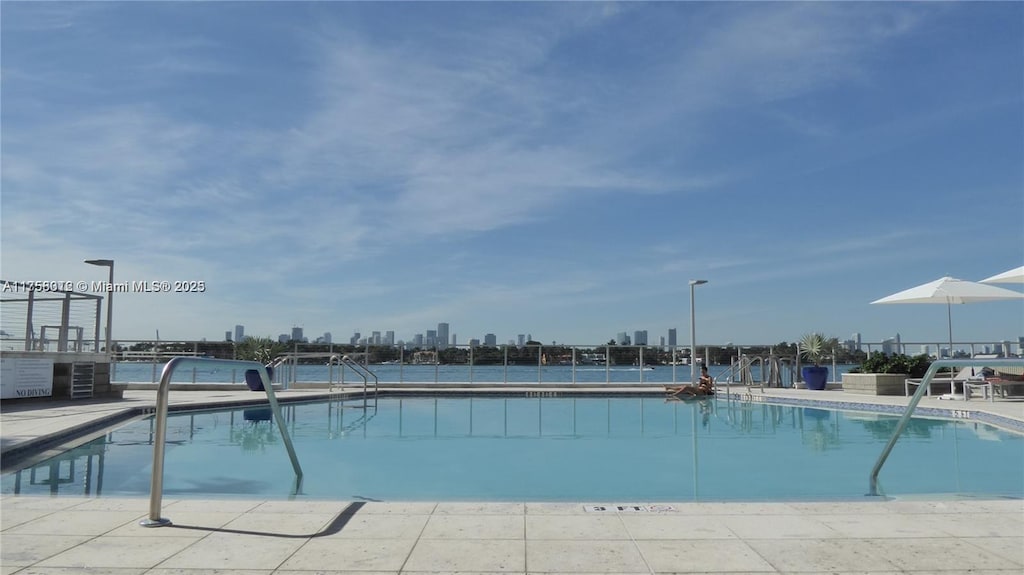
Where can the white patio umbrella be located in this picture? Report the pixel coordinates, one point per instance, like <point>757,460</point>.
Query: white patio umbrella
<point>1014,276</point>
<point>949,291</point>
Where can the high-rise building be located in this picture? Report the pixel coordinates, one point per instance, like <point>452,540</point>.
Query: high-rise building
<point>355,338</point>
<point>474,342</point>
<point>239,333</point>
<point>640,337</point>
<point>327,337</point>
<point>455,340</point>
<point>522,340</point>
<point>227,336</point>
<point>856,338</point>
<point>442,335</point>
<point>622,338</point>
<point>296,333</point>
<point>389,337</point>
<point>431,339</point>
<point>417,340</point>
<point>491,340</point>
<point>672,337</point>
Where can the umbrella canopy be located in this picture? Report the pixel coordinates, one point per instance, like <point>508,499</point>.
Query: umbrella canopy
<point>949,291</point>
<point>1014,276</point>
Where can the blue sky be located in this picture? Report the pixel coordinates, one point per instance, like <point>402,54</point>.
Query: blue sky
<point>558,169</point>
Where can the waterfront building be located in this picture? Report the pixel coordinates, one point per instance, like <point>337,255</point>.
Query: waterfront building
<point>442,335</point>
<point>672,342</point>
<point>354,339</point>
<point>473,342</point>
<point>622,338</point>
<point>227,335</point>
<point>491,340</point>
<point>522,340</point>
<point>640,337</point>
<point>389,337</point>
<point>297,333</point>
<point>239,333</point>
<point>327,337</point>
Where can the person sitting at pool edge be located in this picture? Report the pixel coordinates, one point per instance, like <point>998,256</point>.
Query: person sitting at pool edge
<point>705,386</point>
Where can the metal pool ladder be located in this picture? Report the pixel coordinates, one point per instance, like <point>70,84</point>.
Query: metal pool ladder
<point>362,372</point>
<point>921,389</point>
<point>160,435</point>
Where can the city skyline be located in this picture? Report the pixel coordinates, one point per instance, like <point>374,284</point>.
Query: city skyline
<point>564,169</point>
<point>855,341</point>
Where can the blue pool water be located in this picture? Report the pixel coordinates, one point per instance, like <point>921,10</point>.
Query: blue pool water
<point>540,449</point>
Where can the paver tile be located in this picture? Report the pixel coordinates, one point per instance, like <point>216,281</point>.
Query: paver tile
<point>939,554</point>
<point>401,507</point>
<point>483,508</point>
<point>669,526</point>
<point>223,550</point>
<point>876,526</point>
<point>275,524</point>
<point>381,526</point>
<point>487,555</point>
<point>567,556</point>
<point>1011,548</point>
<point>475,527</point>
<point>185,524</point>
<point>26,549</point>
<point>119,552</point>
<point>36,570</point>
<point>593,527</point>
<point>77,523</point>
<point>335,553</point>
<point>778,527</point>
<point>824,556</point>
<point>716,557</point>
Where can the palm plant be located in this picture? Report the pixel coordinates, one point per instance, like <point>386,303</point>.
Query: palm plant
<point>261,349</point>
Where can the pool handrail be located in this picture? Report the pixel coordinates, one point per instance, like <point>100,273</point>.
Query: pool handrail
<point>160,433</point>
<point>916,398</point>
<point>364,373</point>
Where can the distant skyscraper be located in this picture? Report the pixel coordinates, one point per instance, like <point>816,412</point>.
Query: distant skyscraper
<point>431,340</point>
<point>327,337</point>
<point>621,338</point>
<point>455,340</point>
<point>239,333</point>
<point>640,337</point>
<point>417,340</point>
<point>522,340</point>
<point>856,338</point>
<point>672,337</point>
<point>355,338</point>
<point>474,342</point>
<point>283,338</point>
<point>296,334</point>
<point>375,338</point>
<point>491,340</point>
<point>389,337</point>
<point>442,335</point>
<point>227,336</point>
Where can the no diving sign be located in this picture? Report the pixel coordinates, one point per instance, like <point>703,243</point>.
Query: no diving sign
<point>628,508</point>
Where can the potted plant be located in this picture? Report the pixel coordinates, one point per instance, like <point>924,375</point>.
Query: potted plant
<point>815,348</point>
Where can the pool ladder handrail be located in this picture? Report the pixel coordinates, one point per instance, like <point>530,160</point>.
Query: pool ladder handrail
<point>363,372</point>
<point>160,433</point>
<point>916,398</point>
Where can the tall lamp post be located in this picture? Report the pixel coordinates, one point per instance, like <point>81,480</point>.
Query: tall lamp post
<point>110,294</point>
<point>693,334</point>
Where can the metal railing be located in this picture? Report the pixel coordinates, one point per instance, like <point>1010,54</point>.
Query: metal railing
<point>921,389</point>
<point>364,373</point>
<point>160,437</point>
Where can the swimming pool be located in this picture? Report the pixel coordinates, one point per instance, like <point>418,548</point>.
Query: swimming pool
<point>539,449</point>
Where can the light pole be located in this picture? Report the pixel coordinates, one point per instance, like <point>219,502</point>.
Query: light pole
<point>693,334</point>
<point>110,294</point>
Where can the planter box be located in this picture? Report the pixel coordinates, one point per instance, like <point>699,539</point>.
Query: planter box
<point>875,383</point>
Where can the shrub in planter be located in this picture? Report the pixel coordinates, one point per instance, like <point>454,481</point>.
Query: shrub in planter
<point>878,362</point>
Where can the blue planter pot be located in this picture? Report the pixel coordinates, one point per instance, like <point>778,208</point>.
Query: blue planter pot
<point>815,376</point>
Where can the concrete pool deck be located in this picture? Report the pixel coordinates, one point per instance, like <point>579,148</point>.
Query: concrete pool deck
<point>51,536</point>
